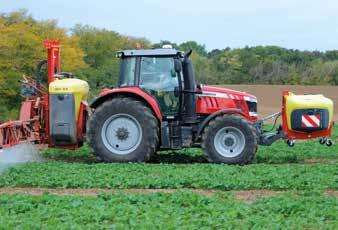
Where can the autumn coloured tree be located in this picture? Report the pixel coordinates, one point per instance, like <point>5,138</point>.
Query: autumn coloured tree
<point>89,53</point>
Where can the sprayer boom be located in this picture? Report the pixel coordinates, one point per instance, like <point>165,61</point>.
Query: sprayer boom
<point>28,127</point>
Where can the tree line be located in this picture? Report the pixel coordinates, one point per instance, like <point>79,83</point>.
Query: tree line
<point>89,53</point>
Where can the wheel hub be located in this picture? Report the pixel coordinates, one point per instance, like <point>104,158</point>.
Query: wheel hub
<point>229,141</point>
<point>122,133</point>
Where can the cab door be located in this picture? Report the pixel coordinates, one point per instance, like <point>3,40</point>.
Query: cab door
<point>159,78</point>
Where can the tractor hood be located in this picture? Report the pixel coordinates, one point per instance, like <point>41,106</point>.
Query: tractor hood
<point>213,99</point>
<point>227,93</point>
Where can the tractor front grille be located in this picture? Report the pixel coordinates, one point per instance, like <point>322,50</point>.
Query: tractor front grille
<point>252,106</point>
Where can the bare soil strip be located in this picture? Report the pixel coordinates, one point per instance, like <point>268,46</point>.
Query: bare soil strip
<point>331,193</point>
<point>245,195</point>
<point>320,161</point>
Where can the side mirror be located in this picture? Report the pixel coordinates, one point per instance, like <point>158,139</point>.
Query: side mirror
<point>178,65</point>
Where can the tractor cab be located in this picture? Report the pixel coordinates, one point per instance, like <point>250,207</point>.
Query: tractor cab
<point>166,74</point>
<point>154,71</point>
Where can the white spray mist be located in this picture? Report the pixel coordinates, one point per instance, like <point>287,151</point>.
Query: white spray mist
<point>18,154</point>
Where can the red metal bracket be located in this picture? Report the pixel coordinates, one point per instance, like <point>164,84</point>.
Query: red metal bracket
<point>50,43</point>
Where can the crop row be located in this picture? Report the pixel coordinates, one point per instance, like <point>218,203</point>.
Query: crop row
<point>169,211</point>
<point>209,176</point>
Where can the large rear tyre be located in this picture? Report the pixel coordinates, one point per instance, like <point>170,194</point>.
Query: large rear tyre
<point>229,139</point>
<point>123,130</point>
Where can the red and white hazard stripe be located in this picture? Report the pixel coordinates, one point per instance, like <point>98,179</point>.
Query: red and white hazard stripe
<point>310,121</point>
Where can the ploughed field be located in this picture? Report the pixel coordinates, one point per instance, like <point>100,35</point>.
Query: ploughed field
<point>285,187</point>
<point>270,96</point>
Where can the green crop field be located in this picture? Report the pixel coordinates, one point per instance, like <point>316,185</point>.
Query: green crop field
<point>302,184</point>
<point>169,211</point>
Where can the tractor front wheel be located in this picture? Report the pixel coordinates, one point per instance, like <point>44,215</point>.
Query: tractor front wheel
<point>229,139</point>
<point>123,130</point>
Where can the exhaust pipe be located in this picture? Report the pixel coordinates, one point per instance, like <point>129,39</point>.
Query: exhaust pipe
<point>189,91</point>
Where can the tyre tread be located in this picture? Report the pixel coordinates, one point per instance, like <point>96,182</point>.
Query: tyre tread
<point>151,139</point>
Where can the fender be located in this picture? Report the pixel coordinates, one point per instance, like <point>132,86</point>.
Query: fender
<point>215,114</point>
<point>136,92</point>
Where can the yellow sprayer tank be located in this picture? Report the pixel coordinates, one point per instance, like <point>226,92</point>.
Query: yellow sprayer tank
<point>300,109</point>
<point>65,97</point>
<point>76,87</point>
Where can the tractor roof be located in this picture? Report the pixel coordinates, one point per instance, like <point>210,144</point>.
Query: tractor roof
<point>149,52</point>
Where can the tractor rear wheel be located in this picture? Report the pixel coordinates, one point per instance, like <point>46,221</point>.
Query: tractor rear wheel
<point>229,139</point>
<point>123,130</point>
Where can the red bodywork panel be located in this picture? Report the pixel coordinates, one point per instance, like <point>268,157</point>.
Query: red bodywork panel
<point>107,93</point>
<point>81,121</point>
<point>213,99</point>
<point>208,101</point>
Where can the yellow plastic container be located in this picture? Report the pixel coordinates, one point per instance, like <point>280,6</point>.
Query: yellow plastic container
<point>294,102</point>
<point>76,87</point>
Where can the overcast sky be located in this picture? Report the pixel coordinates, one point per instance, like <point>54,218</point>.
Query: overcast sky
<point>297,24</point>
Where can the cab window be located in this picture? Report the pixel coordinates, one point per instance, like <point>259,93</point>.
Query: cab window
<point>158,74</point>
<point>158,77</point>
<point>127,72</point>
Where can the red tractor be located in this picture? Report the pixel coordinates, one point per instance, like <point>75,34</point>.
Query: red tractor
<point>157,105</point>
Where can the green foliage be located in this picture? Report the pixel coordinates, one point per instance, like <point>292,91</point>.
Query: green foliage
<point>274,168</point>
<point>100,47</point>
<point>278,153</point>
<point>274,65</point>
<point>303,151</point>
<point>21,47</point>
<point>184,210</point>
<point>211,176</point>
<point>192,45</point>
<point>89,52</point>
